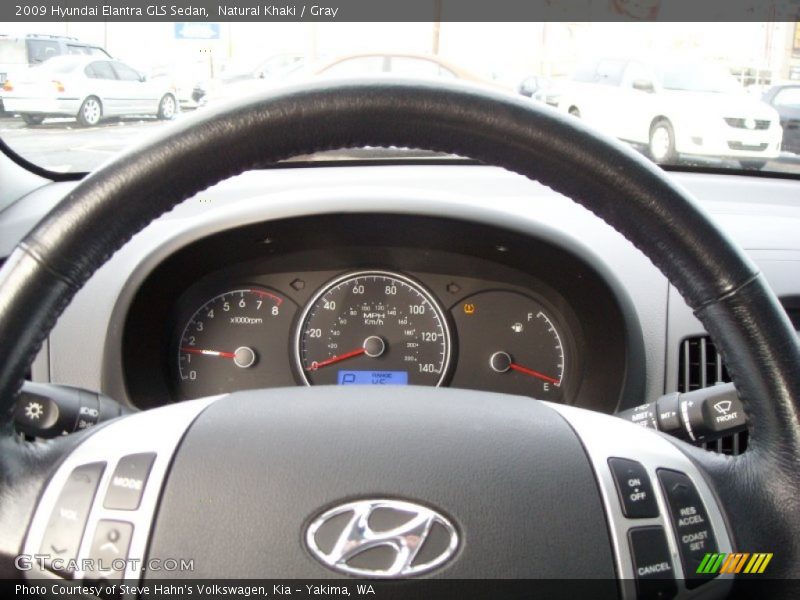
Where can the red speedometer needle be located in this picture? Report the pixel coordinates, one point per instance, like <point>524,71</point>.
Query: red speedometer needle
<point>209,352</point>
<point>335,359</point>
<point>532,373</point>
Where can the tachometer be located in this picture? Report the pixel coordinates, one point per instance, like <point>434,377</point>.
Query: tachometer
<point>373,327</point>
<point>235,341</point>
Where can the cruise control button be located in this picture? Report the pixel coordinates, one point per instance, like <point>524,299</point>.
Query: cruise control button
<point>634,488</point>
<point>127,484</point>
<point>690,520</point>
<point>109,551</point>
<point>62,537</point>
<point>652,564</point>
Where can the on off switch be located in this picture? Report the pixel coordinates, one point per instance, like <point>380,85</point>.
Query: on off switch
<point>634,488</point>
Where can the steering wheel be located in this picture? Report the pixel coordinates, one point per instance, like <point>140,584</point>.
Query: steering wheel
<point>402,482</point>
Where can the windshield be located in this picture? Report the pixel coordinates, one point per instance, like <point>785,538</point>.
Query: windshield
<point>713,106</point>
<point>700,78</point>
<point>789,96</point>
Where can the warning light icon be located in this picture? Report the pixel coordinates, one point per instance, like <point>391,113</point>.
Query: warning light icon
<point>469,309</point>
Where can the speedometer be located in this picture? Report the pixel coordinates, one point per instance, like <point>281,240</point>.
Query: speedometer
<point>373,327</point>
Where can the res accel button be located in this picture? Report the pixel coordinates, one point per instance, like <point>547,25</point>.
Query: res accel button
<point>652,564</point>
<point>128,481</point>
<point>689,518</point>
<point>634,488</point>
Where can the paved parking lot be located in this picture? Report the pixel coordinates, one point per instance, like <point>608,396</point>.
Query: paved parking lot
<point>62,145</point>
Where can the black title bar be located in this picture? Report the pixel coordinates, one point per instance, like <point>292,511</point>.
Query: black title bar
<point>212,11</point>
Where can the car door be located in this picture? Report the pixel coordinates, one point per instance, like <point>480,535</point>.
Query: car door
<point>137,94</point>
<point>637,100</point>
<point>104,83</point>
<point>597,93</point>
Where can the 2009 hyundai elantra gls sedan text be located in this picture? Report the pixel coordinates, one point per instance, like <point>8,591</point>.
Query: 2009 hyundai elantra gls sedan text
<point>351,330</point>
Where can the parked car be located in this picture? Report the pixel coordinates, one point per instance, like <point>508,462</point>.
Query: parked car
<point>543,89</point>
<point>268,68</point>
<point>89,90</point>
<point>786,100</point>
<point>19,53</point>
<point>420,66</point>
<point>675,108</point>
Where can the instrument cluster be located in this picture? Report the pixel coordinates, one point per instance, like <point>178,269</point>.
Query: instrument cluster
<point>380,299</point>
<point>371,327</point>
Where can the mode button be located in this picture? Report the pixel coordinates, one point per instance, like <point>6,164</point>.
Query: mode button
<point>128,481</point>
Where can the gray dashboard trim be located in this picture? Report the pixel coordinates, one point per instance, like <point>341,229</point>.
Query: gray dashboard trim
<point>151,247</point>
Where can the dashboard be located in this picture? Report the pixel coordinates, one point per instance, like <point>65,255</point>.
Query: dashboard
<point>371,299</point>
<point>454,234</point>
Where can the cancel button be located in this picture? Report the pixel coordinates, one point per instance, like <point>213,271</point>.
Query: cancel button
<point>652,565</point>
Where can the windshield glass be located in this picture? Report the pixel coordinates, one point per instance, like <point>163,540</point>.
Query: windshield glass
<point>716,105</point>
<point>699,78</point>
<point>789,96</point>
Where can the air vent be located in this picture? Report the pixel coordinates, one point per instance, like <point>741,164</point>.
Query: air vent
<point>701,366</point>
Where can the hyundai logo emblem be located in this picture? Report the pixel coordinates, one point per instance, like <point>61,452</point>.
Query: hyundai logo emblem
<point>382,538</point>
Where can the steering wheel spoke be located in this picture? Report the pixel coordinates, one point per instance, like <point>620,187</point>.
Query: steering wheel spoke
<point>120,497</point>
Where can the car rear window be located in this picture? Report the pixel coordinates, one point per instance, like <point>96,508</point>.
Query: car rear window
<point>40,50</point>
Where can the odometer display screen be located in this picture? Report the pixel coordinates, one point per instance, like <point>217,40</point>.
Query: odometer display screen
<point>373,328</point>
<point>373,378</point>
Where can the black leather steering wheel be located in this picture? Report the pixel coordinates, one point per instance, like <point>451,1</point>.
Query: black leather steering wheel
<point>756,492</point>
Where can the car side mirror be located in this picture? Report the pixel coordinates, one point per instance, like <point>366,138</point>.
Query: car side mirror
<point>643,85</point>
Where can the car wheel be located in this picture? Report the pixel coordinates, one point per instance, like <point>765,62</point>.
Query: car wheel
<point>753,165</point>
<point>662,142</point>
<point>167,107</point>
<point>575,112</point>
<point>90,112</point>
<point>32,119</point>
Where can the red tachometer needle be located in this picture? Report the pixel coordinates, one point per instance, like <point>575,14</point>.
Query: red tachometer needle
<point>533,373</point>
<point>209,352</point>
<point>334,359</point>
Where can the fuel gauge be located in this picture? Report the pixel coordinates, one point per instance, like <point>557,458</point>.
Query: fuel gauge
<point>510,343</point>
